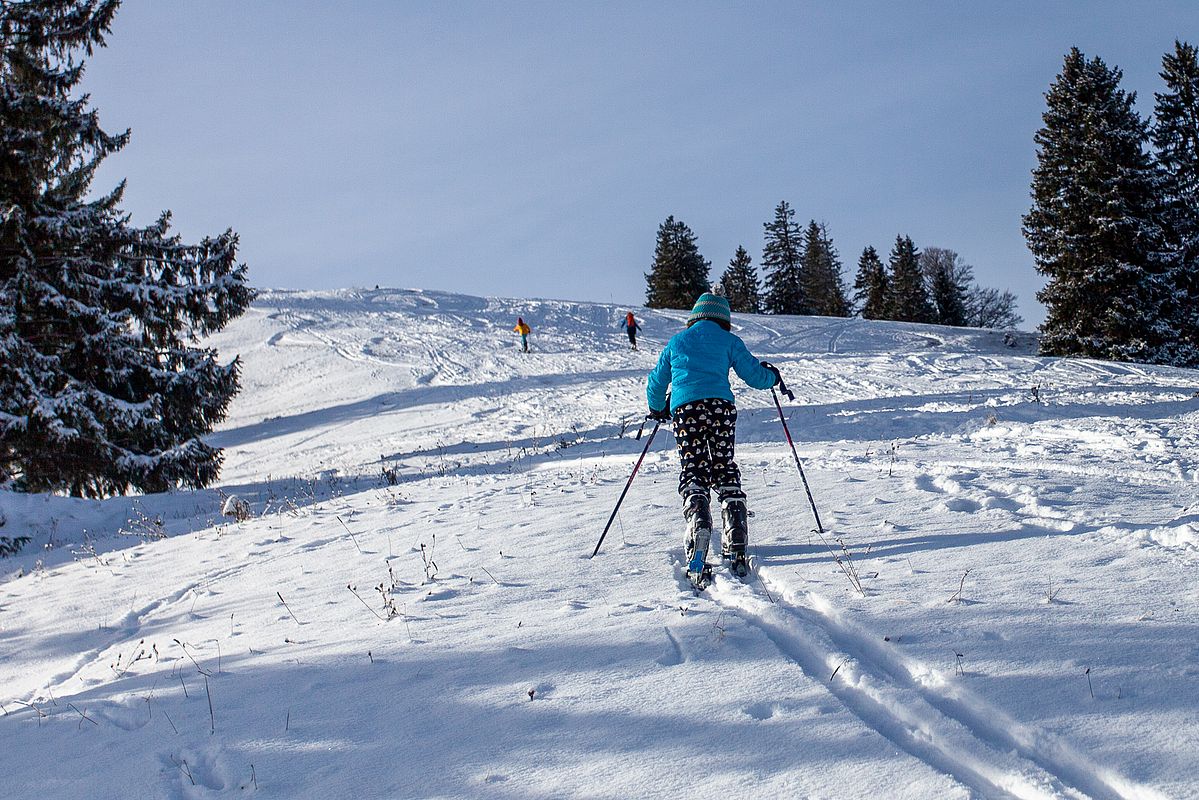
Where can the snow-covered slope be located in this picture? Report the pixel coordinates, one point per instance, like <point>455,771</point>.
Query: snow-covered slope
<point>1023,528</point>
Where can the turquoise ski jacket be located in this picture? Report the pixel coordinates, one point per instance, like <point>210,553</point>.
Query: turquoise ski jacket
<point>695,365</point>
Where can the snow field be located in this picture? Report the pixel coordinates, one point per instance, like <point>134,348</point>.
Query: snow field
<point>1009,540</point>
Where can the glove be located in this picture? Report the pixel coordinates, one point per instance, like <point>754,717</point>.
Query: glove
<point>778,376</point>
<point>659,414</point>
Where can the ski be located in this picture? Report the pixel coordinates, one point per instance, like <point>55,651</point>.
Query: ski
<point>739,565</point>
<point>700,579</point>
<point>701,576</point>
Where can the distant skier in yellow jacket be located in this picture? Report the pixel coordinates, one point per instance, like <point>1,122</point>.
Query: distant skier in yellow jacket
<point>524,330</point>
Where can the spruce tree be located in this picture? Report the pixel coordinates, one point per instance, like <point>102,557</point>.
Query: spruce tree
<point>739,284</point>
<point>873,287</point>
<point>1093,227</point>
<point>782,257</point>
<point>909,300</point>
<point>948,279</point>
<point>841,305</point>
<point>1175,136</point>
<point>679,273</point>
<point>821,279</point>
<point>102,387</point>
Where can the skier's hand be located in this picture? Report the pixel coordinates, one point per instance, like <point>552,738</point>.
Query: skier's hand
<point>778,376</point>
<point>659,414</point>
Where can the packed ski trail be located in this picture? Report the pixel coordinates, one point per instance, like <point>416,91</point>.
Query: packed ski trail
<point>411,609</point>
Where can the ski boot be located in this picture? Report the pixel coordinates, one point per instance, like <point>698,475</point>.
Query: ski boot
<point>735,540</point>
<point>699,538</point>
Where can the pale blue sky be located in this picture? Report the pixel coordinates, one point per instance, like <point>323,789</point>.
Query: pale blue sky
<point>532,149</point>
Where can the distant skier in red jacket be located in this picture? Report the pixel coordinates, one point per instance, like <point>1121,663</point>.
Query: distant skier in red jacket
<point>631,327</point>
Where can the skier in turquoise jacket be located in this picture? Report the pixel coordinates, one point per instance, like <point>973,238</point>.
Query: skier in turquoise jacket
<point>695,365</point>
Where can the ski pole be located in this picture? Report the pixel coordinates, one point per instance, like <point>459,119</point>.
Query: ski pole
<point>644,450</point>
<point>845,564</point>
<point>798,463</point>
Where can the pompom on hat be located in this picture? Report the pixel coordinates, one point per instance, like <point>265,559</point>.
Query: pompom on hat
<point>713,307</point>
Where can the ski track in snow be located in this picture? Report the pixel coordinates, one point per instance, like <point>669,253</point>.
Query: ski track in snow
<point>918,708</point>
<point>398,435</point>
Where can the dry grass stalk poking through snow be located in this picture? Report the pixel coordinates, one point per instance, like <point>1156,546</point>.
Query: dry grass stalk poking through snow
<point>236,508</point>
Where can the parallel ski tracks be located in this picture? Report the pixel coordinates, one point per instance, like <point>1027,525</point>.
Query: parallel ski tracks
<point>917,708</point>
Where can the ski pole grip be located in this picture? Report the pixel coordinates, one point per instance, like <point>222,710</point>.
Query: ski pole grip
<point>781,385</point>
<point>783,388</point>
<point>652,416</point>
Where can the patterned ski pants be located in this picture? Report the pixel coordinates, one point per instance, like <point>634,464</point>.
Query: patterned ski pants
<point>705,431</point>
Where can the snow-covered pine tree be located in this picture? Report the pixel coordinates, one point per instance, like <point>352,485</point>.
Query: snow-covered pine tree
<point>1094,226</point>
<point>821,279</point>
<point>948,279</point>
<point>782,258</point>
<point>872,286</point>
<point>1175,135</point>
<point>679,273</point>
<point>739,284</point>
<point>908,300</point>
<point>101,387</point>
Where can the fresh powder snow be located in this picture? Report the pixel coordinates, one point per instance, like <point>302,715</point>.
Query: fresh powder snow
<point>390,594</point>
